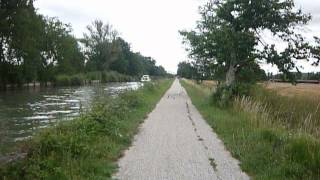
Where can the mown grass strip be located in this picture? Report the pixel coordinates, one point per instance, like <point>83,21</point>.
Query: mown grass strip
<point>264,152</point>
<point>88,147</point>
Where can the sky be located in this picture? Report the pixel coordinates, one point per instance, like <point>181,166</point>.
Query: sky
<point>151,26</point>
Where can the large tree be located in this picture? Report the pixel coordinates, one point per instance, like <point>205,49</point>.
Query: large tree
<point>101,46</point>
<point>33,47</point>
<point>230,35</point>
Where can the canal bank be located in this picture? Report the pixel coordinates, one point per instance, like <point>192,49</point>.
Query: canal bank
<point>87,147</point>
<point>25,111</point>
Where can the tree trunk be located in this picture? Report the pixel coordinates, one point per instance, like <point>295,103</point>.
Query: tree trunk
<point>231,75</point>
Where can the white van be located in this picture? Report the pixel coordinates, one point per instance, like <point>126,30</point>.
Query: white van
<point>145,78</point>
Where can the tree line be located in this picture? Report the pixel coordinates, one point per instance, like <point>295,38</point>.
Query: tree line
<point>192,70</point>
<point>38,48</point>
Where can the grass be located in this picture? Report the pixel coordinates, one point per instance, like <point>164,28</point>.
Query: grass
<point>87,147</point>
<point>266,151</point>
<point>297,114</point>
<point>83,78</point>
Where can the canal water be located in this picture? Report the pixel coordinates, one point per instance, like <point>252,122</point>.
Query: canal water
<point>23,112</point>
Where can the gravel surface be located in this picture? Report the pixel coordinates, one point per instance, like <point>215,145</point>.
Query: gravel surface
<point>176,143</point>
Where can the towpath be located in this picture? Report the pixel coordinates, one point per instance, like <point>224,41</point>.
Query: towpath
<point>176,143</point>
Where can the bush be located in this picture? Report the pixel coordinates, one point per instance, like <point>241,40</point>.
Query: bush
<point>80,79</point>
<point>77,80</point>
<point>91,76</point>
<point>62,80</point>
<point>66,80</point>
<point>224,95</point>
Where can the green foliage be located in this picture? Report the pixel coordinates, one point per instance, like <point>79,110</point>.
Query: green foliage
<point>87,147</point>
<point>81,79</point>
<point>224,95</point>
<point>38,48</point>
<point>265,151</point>
<point>34,48</point>
<point>251,74</point>
<point>229,38</point>
<point>66,80</point>
<point>186,70</point>
<point>101,47</point>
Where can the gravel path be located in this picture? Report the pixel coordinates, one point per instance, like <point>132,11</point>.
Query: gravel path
<point>176,143</point>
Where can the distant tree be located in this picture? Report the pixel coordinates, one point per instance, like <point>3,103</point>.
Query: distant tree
<point>159,71</point>
<point>251,74</point>
<point>121,64</point>
<point>101,47</point>
<point>136,65</point>
<point>61,53</point>
<point>186,70</point>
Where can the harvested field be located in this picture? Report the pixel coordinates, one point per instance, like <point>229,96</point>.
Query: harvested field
<point>287,89</point>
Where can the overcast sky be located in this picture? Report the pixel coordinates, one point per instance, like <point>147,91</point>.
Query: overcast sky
<point>150,26</point>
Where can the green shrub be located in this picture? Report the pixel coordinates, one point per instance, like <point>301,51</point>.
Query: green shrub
<point>67,80</point>
<point>77,80</point>
<point>224,95</point>
<point>62,80</point>
<point>91,76</point>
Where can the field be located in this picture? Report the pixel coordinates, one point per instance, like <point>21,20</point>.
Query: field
<point>284,89</point>
<point>287,89</point>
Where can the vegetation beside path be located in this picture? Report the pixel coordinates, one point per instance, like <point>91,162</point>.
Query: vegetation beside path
<point>87,147</point>
<point>266,150</point>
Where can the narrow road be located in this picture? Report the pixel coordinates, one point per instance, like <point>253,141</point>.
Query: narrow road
<point>176,143</point>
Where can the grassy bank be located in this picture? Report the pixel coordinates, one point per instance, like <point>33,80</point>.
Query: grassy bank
<point>84,78</point>
<point>266,150</point>
<point>87,147</point>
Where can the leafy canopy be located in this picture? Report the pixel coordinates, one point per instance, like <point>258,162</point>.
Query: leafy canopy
<point>230,35</point>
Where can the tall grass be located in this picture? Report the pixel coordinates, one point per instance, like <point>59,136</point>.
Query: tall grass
<point>267,148</point>
<point>297,114</point>
<point>87,147</point>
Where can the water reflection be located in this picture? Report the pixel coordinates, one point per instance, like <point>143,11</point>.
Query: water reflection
<point>22,112</point>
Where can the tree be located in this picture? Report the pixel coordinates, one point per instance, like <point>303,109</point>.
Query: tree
<point>101,46</point>
<point>60,51</point>
<point>20,30</point>
<point>135,65</point>
<point>230,36</point>
<point>186,70</point>
<point>33,47</point>
<point>121,64</point>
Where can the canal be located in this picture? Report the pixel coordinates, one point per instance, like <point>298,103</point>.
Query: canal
<point>23,112</point>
